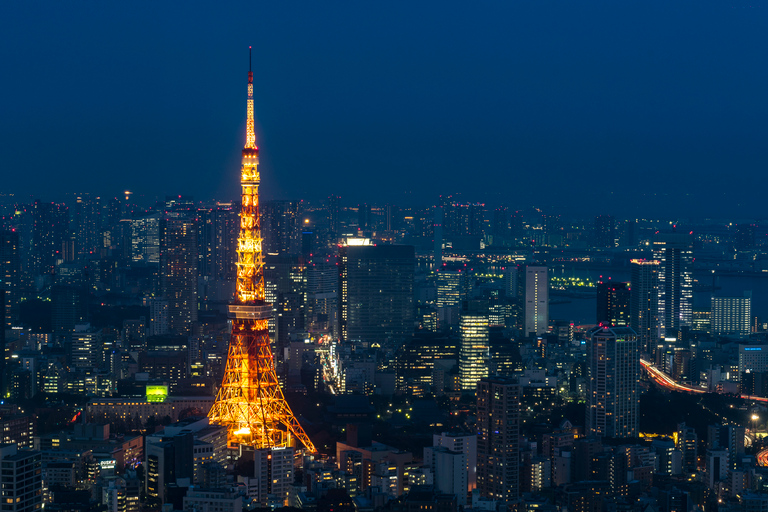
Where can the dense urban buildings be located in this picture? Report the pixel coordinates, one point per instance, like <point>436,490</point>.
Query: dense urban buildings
<point>429,354</point>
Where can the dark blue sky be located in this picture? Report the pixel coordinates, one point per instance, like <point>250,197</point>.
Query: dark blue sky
<point>619,107</point>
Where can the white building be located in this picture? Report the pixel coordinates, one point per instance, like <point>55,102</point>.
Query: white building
<point>731,316</point>
<point>466,443</point>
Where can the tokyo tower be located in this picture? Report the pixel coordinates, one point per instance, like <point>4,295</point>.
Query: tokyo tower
<point>250,402</point>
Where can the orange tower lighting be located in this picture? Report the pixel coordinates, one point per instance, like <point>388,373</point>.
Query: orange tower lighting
<point>250,402</point>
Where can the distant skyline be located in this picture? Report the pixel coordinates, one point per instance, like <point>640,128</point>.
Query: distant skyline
<point>651,108</point>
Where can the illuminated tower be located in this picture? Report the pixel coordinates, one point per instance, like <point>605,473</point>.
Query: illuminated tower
<point>250,402</point>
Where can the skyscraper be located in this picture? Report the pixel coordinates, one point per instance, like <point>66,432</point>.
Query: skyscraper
<point>376,292</point>
<point>605,231</point>
<point>281,225</point>
<point>612,395</point>
<point>22,483</point>
<point>731,316</point>
<point>498,438</point>
<point>334,212</point>
<point>474,354</point>
<point>10,276</point>
<point>533,299</point>
<point>178,271</point>
<point>674,251</point>
<point>643,307</point>
<point>49,231</point>
<point>613,303</point>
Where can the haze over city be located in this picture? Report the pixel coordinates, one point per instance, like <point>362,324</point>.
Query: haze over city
<point>649,108</point>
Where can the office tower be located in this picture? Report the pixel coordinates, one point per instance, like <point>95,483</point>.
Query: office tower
<point>217,239</point>
<point>729,438</point>
<point>731,316</point>
<point>392,217</point>
<point>273,472</point>
<point>452,285</point>
<point>22,483</point>
<point>281,227</point>
<point>145,238</point>
<point>465,443</point>
<point>605,231</point>
<point>10,276</point>
<point>285,281</point>
<point>334,212</point>
<point>69,307</point>
<point>674,251</point>
<point>49,230</point>
<point>86,345</point>
<point>533,299</point>
<point>500,226</point>
<point>613,303</point>
<point>474,355</point>
<point>178,271</point>
<point>498,438</point>
<point>612,395</point>
<point>322,294</point>
<point>687,443</point>
<point>461,218</point>
<point>159,323</point>
<point>449,470</point>
<point>376,292</point>
<point>438,238</point>
<point>753,359</point>
<point>643,306</point>
<point>170,460</point>
<point>744,237</point>
<point>250,401</point>
<point>86,216</point>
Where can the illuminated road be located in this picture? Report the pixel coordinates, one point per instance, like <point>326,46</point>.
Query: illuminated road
<point>762,457</point>
<point>665,381</point>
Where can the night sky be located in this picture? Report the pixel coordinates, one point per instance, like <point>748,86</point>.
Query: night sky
<point>652,108</point>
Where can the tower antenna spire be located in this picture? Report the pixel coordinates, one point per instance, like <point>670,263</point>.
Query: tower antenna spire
<point>250,59</point>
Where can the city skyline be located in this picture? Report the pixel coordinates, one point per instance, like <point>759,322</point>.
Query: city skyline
<point>652,115</point>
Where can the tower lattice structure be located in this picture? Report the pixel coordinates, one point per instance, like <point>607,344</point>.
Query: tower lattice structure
<point>250,401</point>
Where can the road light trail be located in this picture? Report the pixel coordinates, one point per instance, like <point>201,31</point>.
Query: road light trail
<point>665,381</point>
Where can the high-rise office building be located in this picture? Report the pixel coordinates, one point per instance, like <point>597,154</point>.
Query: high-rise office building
<point>49,231</point>
<point>22,482</point>
<point>285,281</point>
<point>461,442</point>
<point>498,438</point>
<point>674,251</point>
<point>451,287</point>
<point>322,293</point>
<point>10,276</point>
<point>376,292</point>
<point>474,354</point>
<point>449,470</point>
<point>273,471</point>
<point>643,307</point>
<point>613,303</point>
<point>281,227</point>
<point>217,239</point>
<point>334,212</point>
<point>86,346</point>
<point>145,238</point>
<point>612,395</point>
<point>605,231</point>
<point>533,299</point>
<point>178,271</point>
<point>87,224</point>
<point>687,443</point>
<point>731,316</point>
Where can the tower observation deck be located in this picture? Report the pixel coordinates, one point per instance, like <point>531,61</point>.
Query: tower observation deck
<point>250,401</point>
